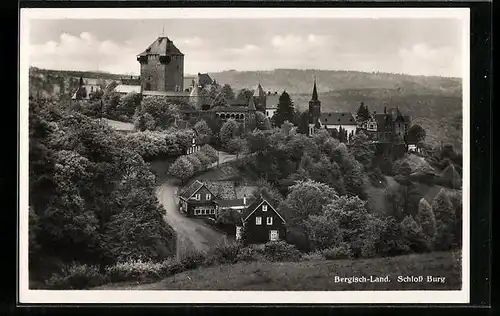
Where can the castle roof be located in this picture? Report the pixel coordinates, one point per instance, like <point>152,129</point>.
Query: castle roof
<point>162,46</point>
<point>337,118</point>
<point>315,92</point>
<point>258,91</point>
<point>204,79</point>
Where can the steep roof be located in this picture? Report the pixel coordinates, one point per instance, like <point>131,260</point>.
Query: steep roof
<point>162,46</point>
<point>272,101</point>
<point>258,91</point>
<point>337,118</point>
<point>253,205</point>
<point>224,190</point>
<point>314,93</point>
<point>190,189</point>
<point>204,79</point>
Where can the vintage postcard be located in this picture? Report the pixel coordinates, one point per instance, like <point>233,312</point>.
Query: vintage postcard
<point>252,155</point>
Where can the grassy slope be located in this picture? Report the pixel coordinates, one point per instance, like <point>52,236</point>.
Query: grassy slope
<point>314,275</point>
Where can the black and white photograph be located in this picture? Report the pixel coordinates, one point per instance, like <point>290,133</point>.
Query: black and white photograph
<point>202,155</point>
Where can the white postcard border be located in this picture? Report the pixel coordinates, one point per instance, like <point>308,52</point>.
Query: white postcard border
<point>257,297</point>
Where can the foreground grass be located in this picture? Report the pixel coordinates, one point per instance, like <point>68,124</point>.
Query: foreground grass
<point>314,275</point>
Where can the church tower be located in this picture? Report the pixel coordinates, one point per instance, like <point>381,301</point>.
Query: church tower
<point>259,98</point>
<point>314,109</point>
<point>162,66</point>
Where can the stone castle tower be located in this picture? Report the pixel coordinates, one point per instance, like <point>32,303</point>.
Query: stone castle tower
<point>314,109</point>
<point>162,66</point>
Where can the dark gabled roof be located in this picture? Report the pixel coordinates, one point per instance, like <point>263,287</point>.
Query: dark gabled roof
<point>238,102</point>
<point>258,91</point>
<point>272,101</point>
<point>253,205</point>
<point>190,189</point>
<point>337,118</point>
<point>222,190</point>
<point>162,46</point>
<point>204,79</point>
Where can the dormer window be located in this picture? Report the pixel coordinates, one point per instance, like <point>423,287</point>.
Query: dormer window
<point>264,208</point>
<point>197,197</point>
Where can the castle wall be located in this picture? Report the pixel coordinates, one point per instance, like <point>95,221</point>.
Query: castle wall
<point>158,75</point>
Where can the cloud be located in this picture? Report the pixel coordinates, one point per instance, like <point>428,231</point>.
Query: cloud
<point>85,52</point>
<point>425,60</point>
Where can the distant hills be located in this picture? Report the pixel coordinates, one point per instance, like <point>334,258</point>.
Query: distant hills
<point>433,102</point>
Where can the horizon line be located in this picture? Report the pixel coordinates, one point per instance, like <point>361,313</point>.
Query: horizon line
<point>265,70</point>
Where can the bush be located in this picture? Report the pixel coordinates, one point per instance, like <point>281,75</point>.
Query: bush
<point>194,259</point>
<point>313,256</point>
<point>134,270</point>
<point>391,241</point>
<point>76,277</point>
<point>377,179</point>
<point>281,251</point>
<point>248,254</point>
<point>171,266</point>
<point>414,235</point>
<point>227,253</point>
<point>343,251</point>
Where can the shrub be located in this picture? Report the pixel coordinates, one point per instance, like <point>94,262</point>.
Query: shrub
<point>281,251</point>
<point>313,256</point>
<point>227,253</point>
<point>248,254</point>
<point>76,277</point>
<point>445,221</point>
<point>390,240</point>
<point>195,162</point>
<point>193,259</point>
<point>203,158</point>
<point>134,270</point>
<point>171,266</point>
<point>210,152</point>
<point>426,219</point>
<point>343,251</point>
<point>377,179</point>
<point>414,235</point>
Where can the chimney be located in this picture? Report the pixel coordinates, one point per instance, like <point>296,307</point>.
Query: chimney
<point>245,199</point>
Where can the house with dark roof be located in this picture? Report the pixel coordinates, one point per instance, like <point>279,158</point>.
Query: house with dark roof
<point>261,222</point>
<point>199,198</point>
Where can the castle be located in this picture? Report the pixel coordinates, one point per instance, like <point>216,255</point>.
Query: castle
<point>388,129</point>
<point>162,74</point>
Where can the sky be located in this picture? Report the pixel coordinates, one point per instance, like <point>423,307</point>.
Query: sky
<point>412,46</point>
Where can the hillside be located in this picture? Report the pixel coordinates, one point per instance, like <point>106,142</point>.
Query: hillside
<point>313,275</point>
<point>297,81</point>
<point>433,102</point>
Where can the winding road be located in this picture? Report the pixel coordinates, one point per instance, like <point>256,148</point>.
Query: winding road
<point>192,234</point>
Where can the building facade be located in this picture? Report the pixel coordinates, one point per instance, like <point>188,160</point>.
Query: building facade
<point>162,67</point>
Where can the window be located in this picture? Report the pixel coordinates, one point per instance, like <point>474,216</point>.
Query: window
<point>258,220</point>
<point>267,113</point>
<point>197,197</point>
<point>197,212</point>
<point>269,221</point>
<point>264,208</point>
<point>208,196</point>
<point>212,211</point>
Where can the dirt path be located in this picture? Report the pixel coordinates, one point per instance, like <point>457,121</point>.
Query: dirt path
<point>191,234</point>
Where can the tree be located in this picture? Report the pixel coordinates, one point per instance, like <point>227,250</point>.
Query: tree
<point>195,162</point>
<point>129,103</point>
<point>236,146</point>
<point>263,122</point>
<point>363,113</point>
<point>228,131</point>
<point>414,236</point>
<point>210,152</point>
<point>204,131</point>
<point>164,114</point>
<point>426,219</point>
<point>416,134</point>
<point>445,221</point>
<point>244,94</point>
<point>307,198</point>
<point>227,92</point>
<point>182,169</point>
<point>285,110</point>
<point>361,149</point>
